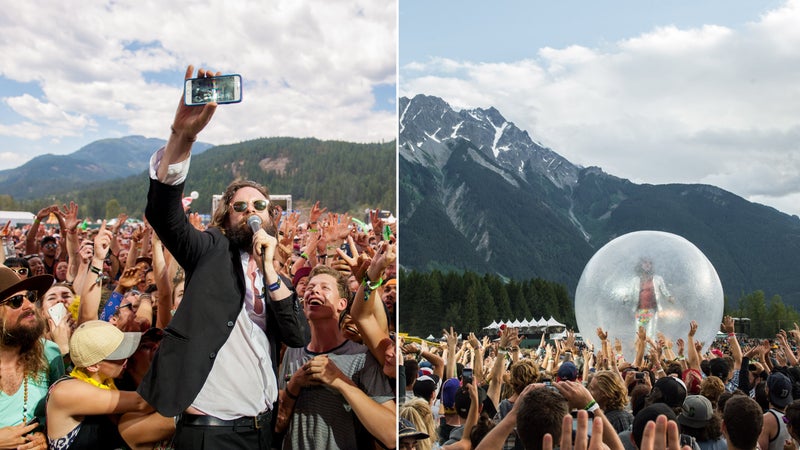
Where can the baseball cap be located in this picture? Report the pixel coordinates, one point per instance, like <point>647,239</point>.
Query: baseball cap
<point>780,389</point>
<point>406,429</point>
<point>424,387</point>
<point>449,389</point>
<point>300,274</point>
<point>697,411</point>
<point>673,391</point>
<point>98,340</point>
<point>568,371</point>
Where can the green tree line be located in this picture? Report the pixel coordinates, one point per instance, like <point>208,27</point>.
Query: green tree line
<point>342,176</point>
<point>432,301</point>
<point>766,318</point>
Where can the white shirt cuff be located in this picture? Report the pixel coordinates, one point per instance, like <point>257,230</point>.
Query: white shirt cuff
<point>176,173</point>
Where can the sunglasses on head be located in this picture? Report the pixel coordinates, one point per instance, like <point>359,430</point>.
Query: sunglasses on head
<point>241,206</point>
<point>16,301</point>
<point>20,270</point>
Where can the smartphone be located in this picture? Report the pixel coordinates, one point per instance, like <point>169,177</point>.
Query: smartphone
<point>466,376</point>
<point>221,89</point>
<point>57,312</point>
<point>640,375</point>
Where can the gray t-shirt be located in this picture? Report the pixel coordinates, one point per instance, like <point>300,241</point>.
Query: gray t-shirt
<point>321,418</point>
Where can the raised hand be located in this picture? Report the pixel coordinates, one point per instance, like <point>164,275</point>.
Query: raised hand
<point>314,214</point>
<point>190,120</point>
<point>102,241</point>
<point>692,328</point>
<point>727,325</point>
<point>603,335</point>
<point>70,216</point>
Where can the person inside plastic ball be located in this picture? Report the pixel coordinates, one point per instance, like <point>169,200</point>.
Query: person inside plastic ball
<point>650,291</point>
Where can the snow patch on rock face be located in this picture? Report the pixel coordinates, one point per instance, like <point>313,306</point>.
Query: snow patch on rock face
<point>498,133</point>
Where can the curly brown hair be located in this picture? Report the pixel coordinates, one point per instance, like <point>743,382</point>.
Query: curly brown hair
<point>523,373</point>
<point>220,215</point>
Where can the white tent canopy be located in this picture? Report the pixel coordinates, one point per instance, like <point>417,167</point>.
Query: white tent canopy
<point>16,217</point>
<point>526,325</point>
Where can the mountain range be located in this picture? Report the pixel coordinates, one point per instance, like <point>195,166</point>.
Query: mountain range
<point>479,194</point>
<point>105,159</point>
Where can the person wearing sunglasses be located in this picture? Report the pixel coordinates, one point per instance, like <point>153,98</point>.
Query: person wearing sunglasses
<point>222,343</point>
<point>20,266</point>
<point>34,363</point>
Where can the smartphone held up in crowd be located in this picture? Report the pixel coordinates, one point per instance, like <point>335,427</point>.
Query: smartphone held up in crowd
<point>220,89</point>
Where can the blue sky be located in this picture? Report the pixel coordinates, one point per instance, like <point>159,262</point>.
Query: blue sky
<point>656,92</point>
<point>115,68</point>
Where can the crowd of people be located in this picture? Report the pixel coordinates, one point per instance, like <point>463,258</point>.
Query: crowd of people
<point>261,329</point>
<point>676,392</point>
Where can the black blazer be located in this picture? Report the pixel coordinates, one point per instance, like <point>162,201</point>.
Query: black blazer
<point>213,296</point>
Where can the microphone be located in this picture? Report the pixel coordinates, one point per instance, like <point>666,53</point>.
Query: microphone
<point>255,223</point>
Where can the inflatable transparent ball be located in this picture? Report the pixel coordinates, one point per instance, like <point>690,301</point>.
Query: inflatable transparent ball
<point>650,278</point>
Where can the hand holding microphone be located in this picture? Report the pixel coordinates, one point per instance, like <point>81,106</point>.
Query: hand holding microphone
<point>263,243</point>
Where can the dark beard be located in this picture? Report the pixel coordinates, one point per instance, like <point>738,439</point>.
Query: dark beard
<point>241,237</point>
<point>22,336</point>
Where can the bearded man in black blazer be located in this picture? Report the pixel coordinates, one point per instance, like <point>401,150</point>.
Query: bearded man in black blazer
<point>215,369</point>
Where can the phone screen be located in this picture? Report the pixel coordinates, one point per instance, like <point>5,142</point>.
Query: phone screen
<point>221,89</point>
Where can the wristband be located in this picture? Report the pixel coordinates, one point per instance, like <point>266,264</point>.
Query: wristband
<point>592,406</point>
<point>304,255</point>
<point>290,395</point>
<point>274,286</point>
<point>36,221</point>
<point>96,270</point>
<point>502,351</point>
<point>731,334</point>
<point>373,286</point>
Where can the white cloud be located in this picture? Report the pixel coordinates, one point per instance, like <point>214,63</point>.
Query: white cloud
<point>709,104</point>
<point>309,67</point>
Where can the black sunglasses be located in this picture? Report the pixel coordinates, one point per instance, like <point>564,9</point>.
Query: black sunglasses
<point>126,305</point>
<point>241,206</point>
<point>16,301</point>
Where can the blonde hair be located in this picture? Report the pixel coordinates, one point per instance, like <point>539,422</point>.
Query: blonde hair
<point>614,392</point>
<point>418,411</point>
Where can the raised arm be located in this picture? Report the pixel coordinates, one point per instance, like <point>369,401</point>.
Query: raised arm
<point>189,122</point>
<point>68,216</point>
<point>164,284</point>
<point>31,244</point>
<point>641,344</point>
<point>92,289</point>
<point>692,358</point>
<point>736,351</point>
